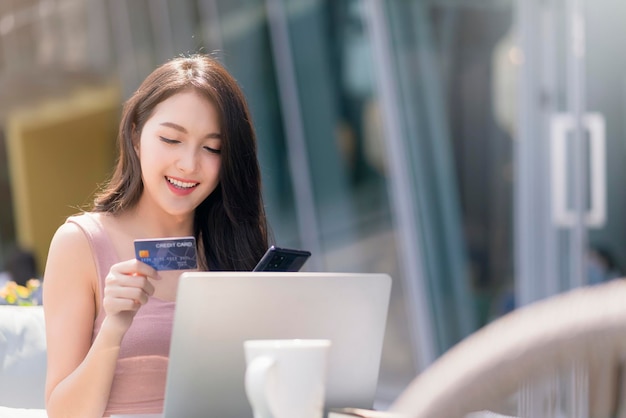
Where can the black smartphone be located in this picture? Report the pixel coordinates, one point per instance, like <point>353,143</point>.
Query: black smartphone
<point>282,259</point>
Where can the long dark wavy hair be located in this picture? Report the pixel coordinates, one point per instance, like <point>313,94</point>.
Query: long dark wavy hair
<point>230,224</point>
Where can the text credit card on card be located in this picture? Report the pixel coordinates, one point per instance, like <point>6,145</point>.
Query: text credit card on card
<point>167,253</point>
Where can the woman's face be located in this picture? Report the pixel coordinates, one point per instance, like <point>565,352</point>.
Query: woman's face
<point>179,150</point>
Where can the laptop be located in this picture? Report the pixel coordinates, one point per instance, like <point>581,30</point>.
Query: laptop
<point>217,311</point>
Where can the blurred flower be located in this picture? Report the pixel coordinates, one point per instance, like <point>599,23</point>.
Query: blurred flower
<point>14,294</point>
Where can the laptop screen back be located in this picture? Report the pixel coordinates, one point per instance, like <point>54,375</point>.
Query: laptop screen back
<point>217,311</point>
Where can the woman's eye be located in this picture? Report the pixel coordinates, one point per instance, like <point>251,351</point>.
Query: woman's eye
<point>169,141</point>
<point>213,150</point>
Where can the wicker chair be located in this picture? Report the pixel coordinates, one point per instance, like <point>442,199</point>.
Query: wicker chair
<point>583,330</point>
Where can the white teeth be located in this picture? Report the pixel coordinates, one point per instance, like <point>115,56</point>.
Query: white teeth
<point>181,184</point>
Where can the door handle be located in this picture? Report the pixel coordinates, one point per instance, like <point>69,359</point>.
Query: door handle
<point>560,125</point>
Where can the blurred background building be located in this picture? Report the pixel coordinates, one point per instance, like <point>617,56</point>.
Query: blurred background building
<point>472,149</point>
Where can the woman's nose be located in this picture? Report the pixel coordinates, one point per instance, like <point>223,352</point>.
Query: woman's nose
<point>188,160</point>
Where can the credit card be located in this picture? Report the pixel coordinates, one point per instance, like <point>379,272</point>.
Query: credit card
<point>167,253</point>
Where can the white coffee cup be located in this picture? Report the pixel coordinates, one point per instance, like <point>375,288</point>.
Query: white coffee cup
<point>286,378</point>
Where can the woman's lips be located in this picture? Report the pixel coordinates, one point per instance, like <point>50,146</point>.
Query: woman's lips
<point>181,187</point>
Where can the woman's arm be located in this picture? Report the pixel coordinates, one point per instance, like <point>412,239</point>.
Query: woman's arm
<point>80,374</point>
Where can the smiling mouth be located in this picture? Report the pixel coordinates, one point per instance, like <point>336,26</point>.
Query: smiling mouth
<point>181,184</point>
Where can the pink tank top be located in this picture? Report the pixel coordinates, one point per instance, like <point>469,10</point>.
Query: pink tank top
<point>139,382</point>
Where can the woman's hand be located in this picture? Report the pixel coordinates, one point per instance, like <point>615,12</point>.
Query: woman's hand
<point>127,287</point>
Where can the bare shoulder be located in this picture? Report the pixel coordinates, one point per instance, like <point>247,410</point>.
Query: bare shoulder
<point>70,258</point>
<point>69,240</point>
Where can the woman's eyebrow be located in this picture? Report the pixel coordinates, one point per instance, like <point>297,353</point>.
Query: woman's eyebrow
<point>213,135</point>
<point>174,126</point>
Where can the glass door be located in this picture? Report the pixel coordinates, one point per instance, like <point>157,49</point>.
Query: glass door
<point>570,158</point>
<point>570,147</point>
<point>560,152</point>
<point>445,88</point>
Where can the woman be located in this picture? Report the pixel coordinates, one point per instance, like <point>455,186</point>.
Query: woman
<point>187,165</point>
